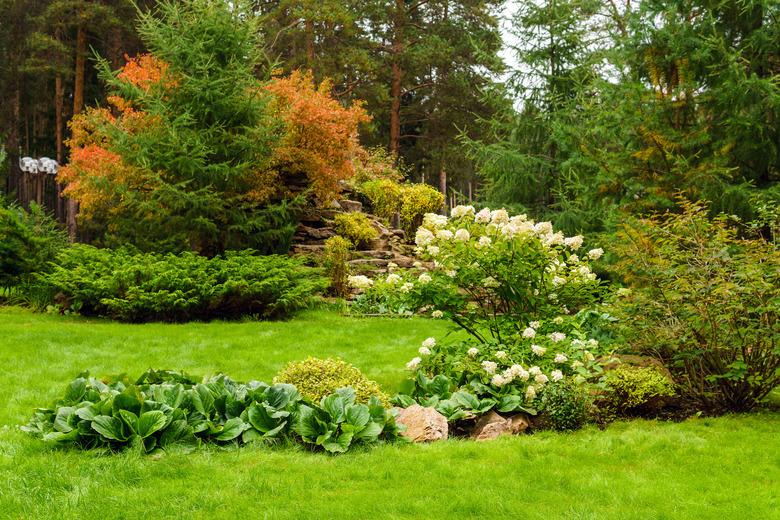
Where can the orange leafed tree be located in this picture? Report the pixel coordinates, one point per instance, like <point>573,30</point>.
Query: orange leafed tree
<point>321,139</point>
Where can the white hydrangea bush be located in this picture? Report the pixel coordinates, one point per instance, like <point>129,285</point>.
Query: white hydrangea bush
<point>514,285</point>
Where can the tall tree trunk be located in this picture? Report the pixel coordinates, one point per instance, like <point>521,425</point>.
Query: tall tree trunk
<point>59,106</point>
<point>396,78</point>
<point>78,106</point>
<point>443,185</point>
<point>309,34</point>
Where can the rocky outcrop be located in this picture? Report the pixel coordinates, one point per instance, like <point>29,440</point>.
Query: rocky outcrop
<point>316,227</point>
<point>422,424</point>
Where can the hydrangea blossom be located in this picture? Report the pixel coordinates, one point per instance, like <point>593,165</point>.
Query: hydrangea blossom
<point>414,363</point>
<point>489,366</point>
<point>595,254</point>
<point>433,220</point>
<point>429,342</point>
<point>534,324</point>
<point>424,278</point>
<point>437,314</point>
<point>490,283</point>
<point>433,250</point>
<point>360,282</point>
<point>393,279</point>
<point>498,380</point>
<point>462,211</point>
<point>423,237</point>
<point>560,358</point>
<point>462,235</point>
<point>541,378</point>
<point>574,242</point>
<point>499,216</point>
<point>484,241</point>
<point>483,217</point>
<point>529,333</point>
<point>530,393</point>
<point>424,351</point>
<point>500,354</point>
<point>472,352</point>
<point>557,337</point>
<point>556,375</point>
<point>444,234</point>
<point>539,351</point>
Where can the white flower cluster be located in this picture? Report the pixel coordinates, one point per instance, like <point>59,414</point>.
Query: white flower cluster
<point>360,282</point>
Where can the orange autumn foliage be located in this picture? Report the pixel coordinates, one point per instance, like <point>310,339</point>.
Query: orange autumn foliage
<point>322,136</point>
<point>145,71</point>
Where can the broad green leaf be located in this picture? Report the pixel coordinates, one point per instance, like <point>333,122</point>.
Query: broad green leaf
<point>75,391</point>
<point>370,433</point>
<point>109,427</point>
<point>130,420</point>
<point>150,422</point>
<point>509,403</point>
<point>357,415</point>
<point>232,429</point>
<point>333,405</point>
<point>63,419</point>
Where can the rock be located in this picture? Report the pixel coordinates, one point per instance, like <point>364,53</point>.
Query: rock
<point>520,423</point>
<point>314,233</point>
<point>403,261</point>
<point>490,426</point>
<point>351,206</point>
<point>422,424</point>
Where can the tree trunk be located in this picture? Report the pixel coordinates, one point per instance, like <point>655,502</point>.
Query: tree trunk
<point>309,34</point>
<point>396,78</point>
<point>443,186</point>
<point>78,106</point>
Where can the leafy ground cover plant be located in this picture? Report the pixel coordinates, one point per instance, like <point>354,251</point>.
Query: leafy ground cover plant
<point>167,410</point>
<point>138,287</point>
<point>317,378</point>
<point>706,302</point>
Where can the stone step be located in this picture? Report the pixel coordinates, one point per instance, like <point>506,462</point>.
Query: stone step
<point>307,248</point>
<point>351,206</point>
<point>376,253</point>
<point>376,262</point>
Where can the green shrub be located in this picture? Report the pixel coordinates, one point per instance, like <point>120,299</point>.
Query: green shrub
<point>165,410</point>
<point>356,227</point>
<point>29,240</point>
<point>636,390</point>
<point>384,195</point>
<point>336,259</point>
<point>317,378</point>
<point>416,201</point>
<point>565,404</point>
<point>706,302</point>
<point>139,287</point>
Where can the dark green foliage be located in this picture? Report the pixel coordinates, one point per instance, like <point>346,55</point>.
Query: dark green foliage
<point>704,301</point>
<point>638,390</point>
<point>138,287</point>
<point>565,405</point>
<point>28,241</point>
<point>317,378</point>
<point>167,410</point>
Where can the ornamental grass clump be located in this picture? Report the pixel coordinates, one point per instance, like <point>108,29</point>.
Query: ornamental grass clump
<point>317,378</point>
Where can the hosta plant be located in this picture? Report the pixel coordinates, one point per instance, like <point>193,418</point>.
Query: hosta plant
<point>165,410</point>
<point>338,422</point>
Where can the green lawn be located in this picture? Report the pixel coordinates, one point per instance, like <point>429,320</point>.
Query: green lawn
<point>704,468</point>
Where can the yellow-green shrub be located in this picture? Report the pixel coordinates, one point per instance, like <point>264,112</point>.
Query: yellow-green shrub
<point>635,387</point>
<point>336,258</point>
<point>316,378</point>
<point>416,201</point>
<point>384,196</point>
<point>356,227</point>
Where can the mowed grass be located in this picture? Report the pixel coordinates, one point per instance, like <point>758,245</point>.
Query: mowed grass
<point>704,468</point>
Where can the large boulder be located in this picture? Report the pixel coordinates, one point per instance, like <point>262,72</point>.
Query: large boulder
<point>423,424</point>
<point>492,425</point>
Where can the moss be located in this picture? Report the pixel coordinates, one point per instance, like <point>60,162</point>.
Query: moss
<point>316,378</point>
